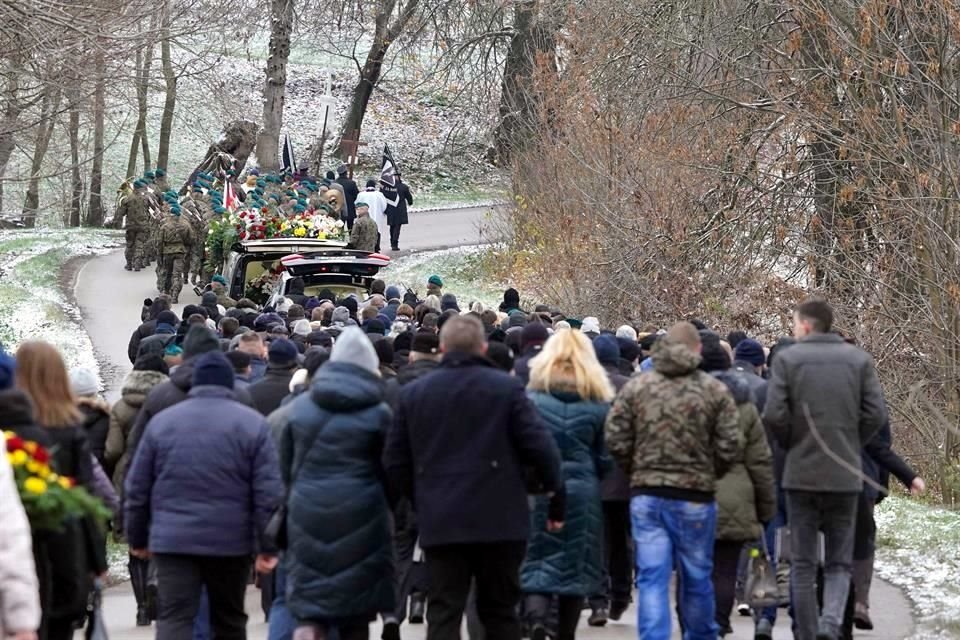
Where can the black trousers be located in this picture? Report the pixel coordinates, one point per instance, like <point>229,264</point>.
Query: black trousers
<point>617,556</point>
<point>568,613</point>
<point>496,568</point>
<point>726,559</point>
<point>181,578</point>
<point>395,236</point>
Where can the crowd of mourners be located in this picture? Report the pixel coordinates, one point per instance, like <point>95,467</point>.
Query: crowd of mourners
<point>409,459</point>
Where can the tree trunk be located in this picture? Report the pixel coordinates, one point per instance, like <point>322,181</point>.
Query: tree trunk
<point>268,143</point>
<point>11,115</point>
<point>140,138</point>
<point>517,97</point>
<point>49,105</point>
<point>384,35</point>
<point>170,103</point>
<point>76,189</point>
<point>95,212</point>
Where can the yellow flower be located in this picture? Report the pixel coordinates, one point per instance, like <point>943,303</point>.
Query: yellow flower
<point>8,434</point>
<point>18,458</point>
<point>33,467</point>
<point>299,232</point>
<point>35,485</point>
<point>322,236</point>
<point>64,482</point>
<point>31,447</point>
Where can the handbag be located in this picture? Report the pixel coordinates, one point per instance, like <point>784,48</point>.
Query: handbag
<point>96,628</point>
<point>761,589</point>
<point>275,533</point>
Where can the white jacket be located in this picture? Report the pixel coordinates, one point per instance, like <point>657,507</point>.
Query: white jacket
<point>378,208</point>
<point>19,592</point>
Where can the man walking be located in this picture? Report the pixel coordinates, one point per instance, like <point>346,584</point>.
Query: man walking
<point>350,193</point>
<point>674,431</point>
<point>363,235</point>
<point>824,403</point>
<point>398,197</point>
<point>199,493</point>
<point>176,240</point>
<point>461,439</point>
<point>134,211</point>
<point>378,208</point>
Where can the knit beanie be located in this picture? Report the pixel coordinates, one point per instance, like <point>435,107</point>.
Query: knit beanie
<point>384,351</point>
<point>511,299</point>
<point>340,315</point>
<point>517,319</point>
<point>714,356</point>
<point>168,317</point>
<point>199,340</point>
<point>282,352</point>
<point>626,331</point>
<point>750,351</point>
<point>392,293</point>
<point>84,382</point>
<point>213,369</point>
<point>590,325</point>
<point>607,349</point>
<point>533,334</point>
<point>353,347</point>
<point>302,328</point>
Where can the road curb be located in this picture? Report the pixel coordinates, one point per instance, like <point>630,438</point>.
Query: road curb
<point>457,207</point>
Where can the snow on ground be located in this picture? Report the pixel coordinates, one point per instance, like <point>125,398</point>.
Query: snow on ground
<point>460,268</point>
<point>918,550</point>
<point>33,304</point>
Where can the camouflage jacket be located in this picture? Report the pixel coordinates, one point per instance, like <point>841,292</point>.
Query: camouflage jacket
<point>176,236</point>
<point>676,426</point>
<point>364,234</point>
<point>134,210</point>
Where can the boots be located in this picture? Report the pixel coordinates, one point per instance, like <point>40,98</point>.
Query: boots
<point>138,580</point>
<point>862,577</point>
<point>418,608</point>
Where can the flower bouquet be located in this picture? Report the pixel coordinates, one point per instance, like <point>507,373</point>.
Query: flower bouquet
<point>261,288</point>
<point>48,499</point>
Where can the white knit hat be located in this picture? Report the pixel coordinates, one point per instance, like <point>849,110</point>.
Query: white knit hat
<point>84,382</point>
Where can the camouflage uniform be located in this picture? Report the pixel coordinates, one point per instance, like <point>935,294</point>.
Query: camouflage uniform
<point>193,261</point>
<point>676,426</point>
<point>363,236</point>
<point>176,240</point>
<point>134,210</point>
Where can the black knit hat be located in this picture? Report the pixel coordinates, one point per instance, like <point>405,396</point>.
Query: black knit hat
<point>199,340</point>
<point>213,369</point>
<point>425,343</point>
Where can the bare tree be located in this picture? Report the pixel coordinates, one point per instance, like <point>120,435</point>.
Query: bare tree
<point>49,105</point>
<point>95,210</point>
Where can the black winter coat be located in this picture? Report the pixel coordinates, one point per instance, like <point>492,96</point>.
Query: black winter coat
<point>397,213</point>
<point>96,425</point>
<point>340,559</point>
<point>879,461</point>
<point>166,394</point>
<point>350,193</point>
<point>459,445</point>
<point>145,330</point>
<point>615,486</point>
<point>268,393</point>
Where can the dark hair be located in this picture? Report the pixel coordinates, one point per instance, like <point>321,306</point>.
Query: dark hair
<point>378,286</point>
<point>431,322</point>
<point>501,355</point>
<point>450,313</point>
<point>196,318</point>
<point>818,313</point>
<point>238,360</point>
<point>313,359</point>
<point>736,337</point>
<point>229,326</point>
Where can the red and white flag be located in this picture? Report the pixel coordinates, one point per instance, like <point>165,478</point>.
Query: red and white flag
<point>230,200</point>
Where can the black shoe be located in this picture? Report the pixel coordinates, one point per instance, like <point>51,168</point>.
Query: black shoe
<point>391,631</point>
<point>598,617</point>
<point>143,618</point>
<point>538,632</point>
<point>394,248</point>
<point>127,267</point>
<point>417,609</point>
<point>617,610</point>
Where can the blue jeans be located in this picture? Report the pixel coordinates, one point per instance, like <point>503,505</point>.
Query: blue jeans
<point>670,533</point>
<point>282,624</point>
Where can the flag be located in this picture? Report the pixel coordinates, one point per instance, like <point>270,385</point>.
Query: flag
<point>230,201</point>
<point>388,171</point>
<point>287,161</point>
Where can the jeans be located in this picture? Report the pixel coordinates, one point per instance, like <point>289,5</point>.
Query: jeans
<point>618,567</point>
<point>810,513</point>
<point>496,568</point>
<point>282,624</point>
<point>666,533</point>
<point>181,581</point>
<point>779,521</point>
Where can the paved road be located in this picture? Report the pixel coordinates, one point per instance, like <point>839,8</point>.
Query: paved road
<point>110,300</point>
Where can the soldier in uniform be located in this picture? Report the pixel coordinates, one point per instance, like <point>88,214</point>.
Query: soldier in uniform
<point>133,210</point>
<point>176,241</point>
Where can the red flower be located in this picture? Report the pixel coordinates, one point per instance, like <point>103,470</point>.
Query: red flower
<point>14,443</point>
<point>41,455</point>
<point>243,235</point>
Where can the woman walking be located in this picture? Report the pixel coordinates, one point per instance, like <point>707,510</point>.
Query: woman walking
<point>339,561</point>
<point>67,560</point>
<point>572,392</point>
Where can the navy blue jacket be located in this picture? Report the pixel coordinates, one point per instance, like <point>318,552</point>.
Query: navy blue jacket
<point>205,478</point>
<point>461,439</point>
<point>879,461</point>
<point>340,558</point>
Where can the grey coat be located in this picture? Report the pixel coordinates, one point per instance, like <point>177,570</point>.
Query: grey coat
<point>838,385</point>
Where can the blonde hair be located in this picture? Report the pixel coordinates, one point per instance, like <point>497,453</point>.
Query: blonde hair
<point>568,362</point>
<point>42,375</point>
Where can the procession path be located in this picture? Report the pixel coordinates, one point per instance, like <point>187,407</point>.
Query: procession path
<point>110,300</point>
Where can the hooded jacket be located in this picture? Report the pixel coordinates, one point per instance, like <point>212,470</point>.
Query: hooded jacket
<point>674,430</point>
<point>122,416</point>
<point>96,424</point>
<point>746,496</point>
<point>340,557</point>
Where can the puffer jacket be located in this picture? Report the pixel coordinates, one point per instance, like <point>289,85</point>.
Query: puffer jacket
<point>339,560</point>
<point>569,562</point>
<point>746,495</point>
<point>19,590</point>
<point>96,424</point>
<point>675,427</point>
<point>122,416</point>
